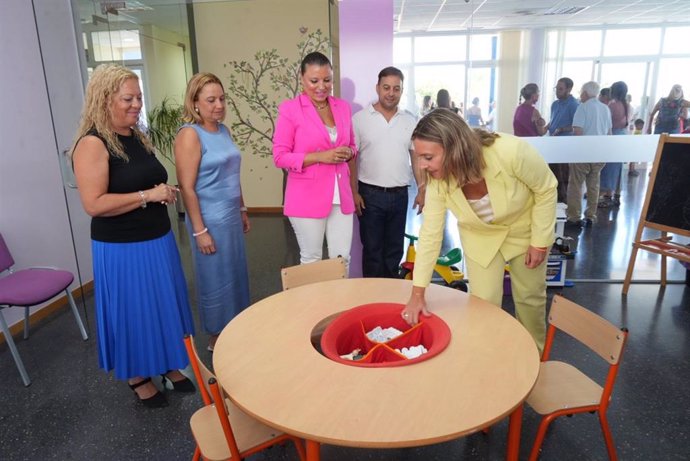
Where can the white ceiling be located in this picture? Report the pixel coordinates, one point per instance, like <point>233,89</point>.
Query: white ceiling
<point>440,15</point>
<point>444,15</point>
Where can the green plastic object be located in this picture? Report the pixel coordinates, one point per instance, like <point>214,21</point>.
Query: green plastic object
<point>454,256</point>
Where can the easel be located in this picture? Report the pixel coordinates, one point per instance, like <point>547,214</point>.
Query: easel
<point>673,189</point>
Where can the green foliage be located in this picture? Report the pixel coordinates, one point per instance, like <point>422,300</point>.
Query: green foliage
<point>253,109</point>
<point>164,121</point>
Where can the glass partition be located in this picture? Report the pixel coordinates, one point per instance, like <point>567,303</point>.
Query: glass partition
<point>149,37</point>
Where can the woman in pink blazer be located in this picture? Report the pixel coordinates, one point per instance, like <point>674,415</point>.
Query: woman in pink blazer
<point>313,141</point>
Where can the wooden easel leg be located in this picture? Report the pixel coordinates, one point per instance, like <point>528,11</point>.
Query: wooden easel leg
<point>664,235</point>
<point>628,274</point>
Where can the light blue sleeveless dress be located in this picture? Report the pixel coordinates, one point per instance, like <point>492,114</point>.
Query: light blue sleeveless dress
<point>222,281</point>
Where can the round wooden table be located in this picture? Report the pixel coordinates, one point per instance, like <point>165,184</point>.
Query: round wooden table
<point>266,363</point>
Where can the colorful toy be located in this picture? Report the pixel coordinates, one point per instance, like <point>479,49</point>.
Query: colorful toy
<point>445,266</point>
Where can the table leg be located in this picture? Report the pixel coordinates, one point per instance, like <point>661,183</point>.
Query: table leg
<point>514,430</point>
<point>314,451</point>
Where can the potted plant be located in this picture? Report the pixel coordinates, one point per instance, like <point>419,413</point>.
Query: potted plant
<point>163,122</point>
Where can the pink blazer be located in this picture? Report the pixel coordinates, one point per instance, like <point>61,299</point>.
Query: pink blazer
<point>299,131</point>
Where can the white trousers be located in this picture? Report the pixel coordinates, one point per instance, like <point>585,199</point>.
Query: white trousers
<point>337,228</point>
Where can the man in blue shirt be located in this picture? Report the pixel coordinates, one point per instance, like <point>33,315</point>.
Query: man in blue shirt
<point>561,124</point>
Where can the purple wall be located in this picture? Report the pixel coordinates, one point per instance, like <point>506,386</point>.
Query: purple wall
<point>34,218</point>
<point>366,47</point>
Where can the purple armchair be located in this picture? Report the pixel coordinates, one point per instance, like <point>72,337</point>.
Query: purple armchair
<point>26,288</point>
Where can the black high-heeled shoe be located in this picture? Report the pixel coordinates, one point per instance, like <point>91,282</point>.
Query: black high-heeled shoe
<point>157,400</point>
<point>183,385</point>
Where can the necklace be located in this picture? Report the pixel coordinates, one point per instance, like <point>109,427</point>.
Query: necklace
<point>320,107</point>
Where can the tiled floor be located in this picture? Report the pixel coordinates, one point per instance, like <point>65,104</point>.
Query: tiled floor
<point>75,411</point>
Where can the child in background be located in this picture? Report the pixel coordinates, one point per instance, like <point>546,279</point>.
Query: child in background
<point>639,126</point>
<point>605,95</point>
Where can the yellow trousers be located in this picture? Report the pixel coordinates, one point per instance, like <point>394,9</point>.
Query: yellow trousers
<point>528,287</point>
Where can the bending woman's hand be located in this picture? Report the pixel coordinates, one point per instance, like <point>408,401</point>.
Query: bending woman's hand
<point>534,256</point>
<point>415,306</point>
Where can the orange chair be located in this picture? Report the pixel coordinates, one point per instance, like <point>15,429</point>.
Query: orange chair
<point>216,437</point>
<point>562,389</point>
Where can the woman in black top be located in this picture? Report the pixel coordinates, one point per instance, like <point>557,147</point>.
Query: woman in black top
<point>140,292</point>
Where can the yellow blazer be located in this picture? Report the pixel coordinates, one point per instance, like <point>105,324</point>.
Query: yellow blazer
<point>523,196</point>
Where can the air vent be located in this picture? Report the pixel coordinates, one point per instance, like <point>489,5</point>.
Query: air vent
<point>527,12</point>
<point>565,11</point>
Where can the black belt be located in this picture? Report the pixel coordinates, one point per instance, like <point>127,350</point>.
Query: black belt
<point>384,189</point>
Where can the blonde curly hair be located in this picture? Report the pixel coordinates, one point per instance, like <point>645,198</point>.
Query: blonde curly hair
<point>96,115</point>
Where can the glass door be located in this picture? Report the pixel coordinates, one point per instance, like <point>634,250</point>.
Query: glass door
<point>637,75</point>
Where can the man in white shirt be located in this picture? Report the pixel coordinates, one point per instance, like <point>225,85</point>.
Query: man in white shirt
<point>381,174</point>
<point>592,118</point>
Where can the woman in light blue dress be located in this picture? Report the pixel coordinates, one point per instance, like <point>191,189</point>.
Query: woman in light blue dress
<point>208,171</point>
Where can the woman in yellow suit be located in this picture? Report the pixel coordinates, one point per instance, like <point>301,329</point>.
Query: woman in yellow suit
<point>503,195</point>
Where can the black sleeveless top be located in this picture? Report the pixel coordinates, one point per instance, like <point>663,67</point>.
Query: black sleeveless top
<point>142,171</point>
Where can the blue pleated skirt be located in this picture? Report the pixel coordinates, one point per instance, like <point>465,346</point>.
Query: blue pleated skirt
<point>142,307</point>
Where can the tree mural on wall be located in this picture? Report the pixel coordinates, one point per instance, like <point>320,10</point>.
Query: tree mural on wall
<point>256,88</point>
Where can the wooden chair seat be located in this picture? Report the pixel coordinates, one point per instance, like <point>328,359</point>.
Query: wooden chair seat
<point>561,386</point>
<point>209,436</point>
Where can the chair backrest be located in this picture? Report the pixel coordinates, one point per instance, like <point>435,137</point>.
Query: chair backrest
<point>201,372</point>
<point>222,411</point>
<point>587,327</point>
<point>319,271</point>
<point>6,260</point>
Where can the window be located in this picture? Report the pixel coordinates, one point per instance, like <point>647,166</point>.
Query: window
<point>582,43</point>
<point>580,72</point>
<point>552,44</point>
<point>430,79</point>
<point>671,71</point>
<point>440,48</point>
<point>402,49</point>
<point>479,85</point>
<point>676,40</point>
<point>116,45</point>
<point>632,42</point>
<point>632,73</point>
<point>482,47</point>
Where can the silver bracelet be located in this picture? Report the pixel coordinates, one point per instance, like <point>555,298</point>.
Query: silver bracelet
<point>201,232</point>
<point>243,209</point>
<point>143,199</point>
